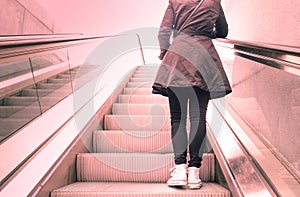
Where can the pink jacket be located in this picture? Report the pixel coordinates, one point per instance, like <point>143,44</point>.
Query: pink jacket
<point>191,59</point>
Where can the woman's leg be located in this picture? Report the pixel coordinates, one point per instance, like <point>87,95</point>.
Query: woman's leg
<point>197,111</point>
<point>178,111</point>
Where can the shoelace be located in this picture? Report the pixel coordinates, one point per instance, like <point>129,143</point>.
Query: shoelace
<point>172,170</point>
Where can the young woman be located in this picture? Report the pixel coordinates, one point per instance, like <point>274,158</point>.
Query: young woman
<point>190,74</point>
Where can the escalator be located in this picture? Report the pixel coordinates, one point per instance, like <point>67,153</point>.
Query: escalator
<point>133,154</point>
<point>115,141</point>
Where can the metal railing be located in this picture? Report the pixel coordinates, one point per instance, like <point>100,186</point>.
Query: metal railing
<point>28,66</point>
<point>262,113</point>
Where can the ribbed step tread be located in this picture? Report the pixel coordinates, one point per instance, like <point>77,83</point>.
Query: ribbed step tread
<point>141,91</point>
<point>144,75</point>
<point>58,81</point>
<point>109,189</point>
<point>122,141</point>
<point>18,111</point>
<point>143,99</point>
<point>32,101</point>
<point>41,92</point>
<point>54,86</point>
<point>139,84</point>
<point>137,123</point>
<point>124,167</point>
<point>141,79</point>
<point>140,109</point>
<point>134,167</point>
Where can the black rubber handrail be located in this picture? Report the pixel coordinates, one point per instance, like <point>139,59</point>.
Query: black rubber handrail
<point>41,39</point>
<point>286,58</point>
<point>264,46</point>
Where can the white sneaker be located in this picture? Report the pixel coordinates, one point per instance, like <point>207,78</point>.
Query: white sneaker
<point>194,181</point>
<point>178,176</point>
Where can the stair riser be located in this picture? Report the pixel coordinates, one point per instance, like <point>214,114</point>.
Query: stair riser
<point>110,189</point>
<point>130,167</point>
<point>31,101</point>
<point>124,168</point>
<point>145,99</point>
<point>138,91</point>
<point>32,92</point>
<point>140,109</point>
<point>120,141</point>
<point>18,112</point>
<point>58,81</point>
<point>137,123</point>
<point>54,86</point>
<point>139,85</point>
<point>141,80</point>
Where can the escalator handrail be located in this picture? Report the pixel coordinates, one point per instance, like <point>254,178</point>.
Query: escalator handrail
<point>286,58</point>
<point>40,39</point>
<point>264,46</point>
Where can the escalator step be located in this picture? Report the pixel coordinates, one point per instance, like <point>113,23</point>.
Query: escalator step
<point>137,123</point>
<point>41,92</point>
<point>21,101</point>
<point>53,86</point>
<point>111,189</point>
<point>144,75</point>
<point>140,91</point>
<point>139,84</point>
<point>141,80</point>
<point>58,81</point>
<point>134,167</point>
<point>18,111</point>
<point>132,141</point>
<point>31,101</point>
<point>143,99</point>
<point>140,109</point>
<point>124,167</point>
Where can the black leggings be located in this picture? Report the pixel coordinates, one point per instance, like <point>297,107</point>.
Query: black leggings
<point>179,98</point>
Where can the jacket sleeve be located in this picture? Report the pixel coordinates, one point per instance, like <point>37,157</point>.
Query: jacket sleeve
<point>221,25</point>
<point>166,28</point>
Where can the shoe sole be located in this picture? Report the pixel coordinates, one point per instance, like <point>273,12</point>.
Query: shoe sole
<point>194,186</point>
<point>177,184</point>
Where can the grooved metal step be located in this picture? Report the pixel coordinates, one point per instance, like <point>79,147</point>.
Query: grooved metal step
<point>137,123</point>
<point>124,167</point>
<point>143,99</point>
<point>138,90</point>
<point>110,189</point>
<point>41,92</point>
<point>140,109</point>
<point>31,101</point>
<point>134,167</point>
<point>132,141</point>
<point>139,84</point>
<point>53,86</point>
<point>18,111</point>
<point>144,75</point>
<point>141,79</point>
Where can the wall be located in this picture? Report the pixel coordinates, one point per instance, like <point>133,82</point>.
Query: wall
<point>266,97</point>
<point>24,17</point>
<point>266,21</point>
